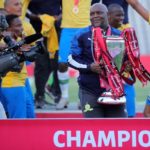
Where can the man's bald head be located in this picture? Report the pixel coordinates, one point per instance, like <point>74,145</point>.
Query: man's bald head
<point>13,7</point>
<point>98,15</point>
<point>100,6</point>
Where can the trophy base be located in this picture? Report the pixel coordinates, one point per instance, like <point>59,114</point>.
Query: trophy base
<point>108,99</point>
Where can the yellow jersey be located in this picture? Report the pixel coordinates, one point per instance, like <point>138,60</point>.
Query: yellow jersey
<point>75,15</point>
<point>14,79</point>
<point>1,3</point>
<point>124,26</point>
<point>25,4</point>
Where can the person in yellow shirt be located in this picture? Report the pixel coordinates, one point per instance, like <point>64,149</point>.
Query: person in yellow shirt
<point>75,15</point>
<point>1,4</point>
<point>18,101</point>
<point>14,80</point>
<point>3,26</point>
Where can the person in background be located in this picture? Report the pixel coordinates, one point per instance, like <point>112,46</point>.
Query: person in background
<point>81,58</point>
<point>95,1</point>
<point>146,15</point>
<point>14,80</point>
<point>1,4</point>
<point>147,108</point>
<point>16,91</point>
<point>116,17</point>
<point>123,3</point>
<point>140,9</point>
<point>75,16</point>
<point>45,17</point>
<point>3,27</point>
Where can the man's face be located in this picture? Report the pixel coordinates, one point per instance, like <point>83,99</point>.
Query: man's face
<point>14,7</point>
<point>98,16</point>
<point>116,18</point>
<point>16,27</point>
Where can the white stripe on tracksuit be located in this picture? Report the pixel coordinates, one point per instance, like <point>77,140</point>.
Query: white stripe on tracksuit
<point>75,63</point>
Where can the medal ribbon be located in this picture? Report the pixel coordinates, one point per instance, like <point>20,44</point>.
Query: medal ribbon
<point>76,3</point>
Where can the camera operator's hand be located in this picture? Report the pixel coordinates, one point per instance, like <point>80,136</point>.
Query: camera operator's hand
<point>25,47</point>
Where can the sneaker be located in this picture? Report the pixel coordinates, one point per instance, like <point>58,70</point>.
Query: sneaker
<point>62,104</point>
<point>39,102</point>
<point>107,98</point>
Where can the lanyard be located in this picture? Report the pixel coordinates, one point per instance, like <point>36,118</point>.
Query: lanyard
<point>76,3</point>
<point>75,7</point>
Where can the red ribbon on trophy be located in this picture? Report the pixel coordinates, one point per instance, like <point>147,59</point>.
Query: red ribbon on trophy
<point>75,7</point>
<point>102,56</point>
<point>133,54</point>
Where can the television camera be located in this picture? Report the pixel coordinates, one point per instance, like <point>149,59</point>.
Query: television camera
<point>10,58</point>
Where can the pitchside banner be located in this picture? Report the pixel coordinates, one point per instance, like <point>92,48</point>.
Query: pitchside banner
<point>75,134</point>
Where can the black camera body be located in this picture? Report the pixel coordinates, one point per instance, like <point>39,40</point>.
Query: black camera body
<point>9,62</point>
<point>32,54</point>
<point>10,59</point>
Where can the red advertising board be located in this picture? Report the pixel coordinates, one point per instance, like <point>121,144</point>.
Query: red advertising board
<point>75,134</point>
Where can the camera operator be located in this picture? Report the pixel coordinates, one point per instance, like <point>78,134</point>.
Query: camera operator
<point>16,91</point>
<point>3,26</point>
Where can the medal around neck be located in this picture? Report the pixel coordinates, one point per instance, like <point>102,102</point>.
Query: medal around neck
<point>75,10</point>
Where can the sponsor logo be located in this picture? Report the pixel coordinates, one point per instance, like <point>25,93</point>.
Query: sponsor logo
<point>87,108</point>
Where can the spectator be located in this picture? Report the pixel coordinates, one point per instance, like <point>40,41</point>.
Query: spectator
<point>116,17</point>
<point>81,58</point>
<point>75,15</point>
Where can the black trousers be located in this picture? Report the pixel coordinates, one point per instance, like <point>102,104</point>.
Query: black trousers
<point>92,109</point>
<point>41,73</point>
<point>43,67</point>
